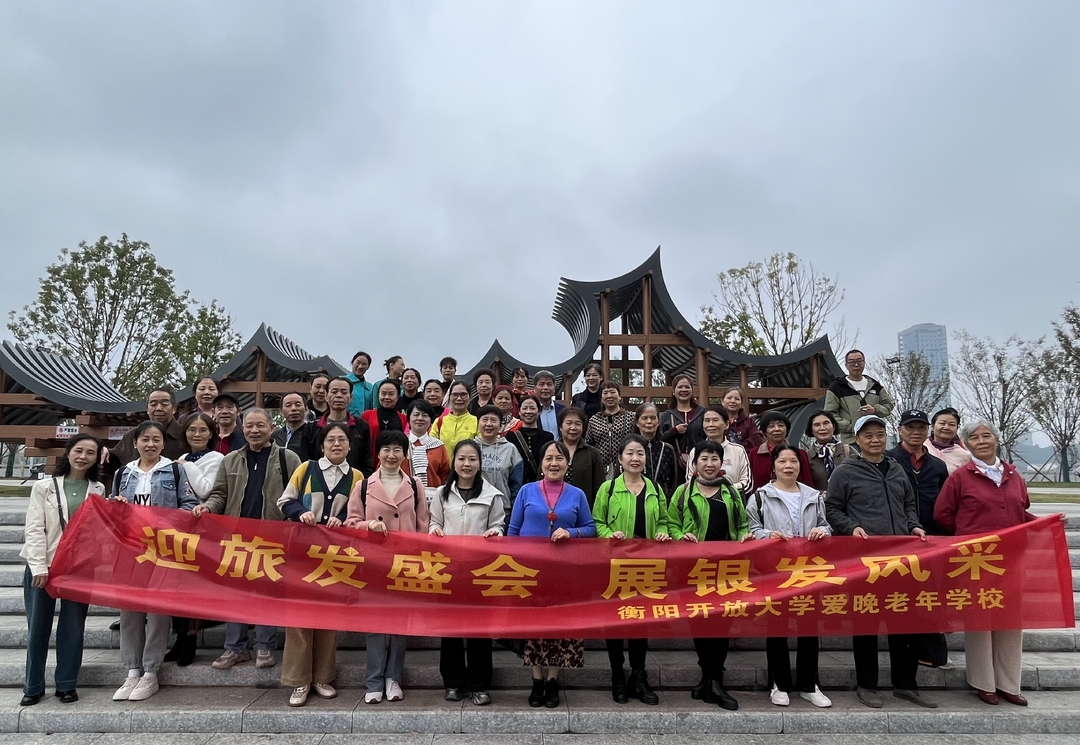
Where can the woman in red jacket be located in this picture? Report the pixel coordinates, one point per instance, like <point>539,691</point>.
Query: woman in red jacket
<point>741,427</point>
<point>384,417</point>
<point>776,426</point>
<point>982,495</point>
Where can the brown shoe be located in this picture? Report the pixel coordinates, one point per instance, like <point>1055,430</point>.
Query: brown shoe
<point>988,698</point>
<point>1013,698</point>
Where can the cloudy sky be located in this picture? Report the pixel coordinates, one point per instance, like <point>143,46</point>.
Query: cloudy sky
<point>414,178</point>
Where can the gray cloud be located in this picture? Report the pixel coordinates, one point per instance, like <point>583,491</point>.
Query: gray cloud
<point>414,179</point>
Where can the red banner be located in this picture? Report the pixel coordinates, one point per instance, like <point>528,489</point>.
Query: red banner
<point>288,574</point>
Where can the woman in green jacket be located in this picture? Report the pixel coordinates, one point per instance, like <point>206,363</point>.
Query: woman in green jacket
<point>631,506</point>
<point>709,508</point>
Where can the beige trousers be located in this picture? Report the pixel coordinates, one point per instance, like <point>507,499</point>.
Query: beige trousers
<point>309,657</point>
<point>993,659</point>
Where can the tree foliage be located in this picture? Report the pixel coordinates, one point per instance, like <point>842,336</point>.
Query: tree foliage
<point>112,305</point>
<point>1054,382</point>
<point>912,383</point>
<point>774,307</point>
<point>993,383</point>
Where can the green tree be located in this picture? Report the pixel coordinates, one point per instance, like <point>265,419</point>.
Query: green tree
<point>1054,383</point>
<point>774,307</point>
<point>112,305</point>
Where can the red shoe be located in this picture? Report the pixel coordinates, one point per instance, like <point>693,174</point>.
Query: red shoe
<point>1013,698</point>
<point>988,698</point>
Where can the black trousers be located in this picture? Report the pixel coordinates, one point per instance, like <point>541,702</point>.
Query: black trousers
<point>638,647</point>
<point>711,656</point>
<point>473,675</point>
<point>806,663</point>
<point>903,660</point>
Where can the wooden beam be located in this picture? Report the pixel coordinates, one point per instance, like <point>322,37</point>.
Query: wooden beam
<point>250,386</point>
<point>25,399</point>
<point>646,322</point>
<point>640,340</point>
<point>795,395</point>
<point>815,371</point>
<point>702,370</point>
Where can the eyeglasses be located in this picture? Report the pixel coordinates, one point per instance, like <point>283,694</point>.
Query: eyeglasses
<point>458,395</point>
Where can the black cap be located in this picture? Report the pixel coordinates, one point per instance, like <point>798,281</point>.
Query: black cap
<point>914,415</point>
<point>226,397</point>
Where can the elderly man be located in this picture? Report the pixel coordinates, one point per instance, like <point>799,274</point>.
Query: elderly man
<point>249,482</point>
<point>856,396</point>
<point>544,384</point>
<point>160,407</point>
<point>869,494</point>
<point>227,415</point>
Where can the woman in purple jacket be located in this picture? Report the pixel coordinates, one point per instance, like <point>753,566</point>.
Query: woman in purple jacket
<point>551,508</point>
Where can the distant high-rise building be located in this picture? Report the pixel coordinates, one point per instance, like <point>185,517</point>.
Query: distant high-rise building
<point>932,342</point>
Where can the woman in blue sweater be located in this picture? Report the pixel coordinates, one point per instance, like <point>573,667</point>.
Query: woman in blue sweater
<point>551,508</point>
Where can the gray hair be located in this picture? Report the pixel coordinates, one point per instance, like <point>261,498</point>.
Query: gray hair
<point>543,374</point>
<point>259,410</point>
<point>969,429</point>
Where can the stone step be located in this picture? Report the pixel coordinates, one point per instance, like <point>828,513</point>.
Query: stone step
<point>12,603</point>
<point>667,670</point>
<point>98,635</point>
<point>9,553</point>
<point>254,710</point>
<point>1074,558</point>
<point>11,533</point>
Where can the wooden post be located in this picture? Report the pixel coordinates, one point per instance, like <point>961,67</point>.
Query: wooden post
<point>605,323</point>
<point>702,377</point>
<point>646,323</point>
<point>744,380</point>
<point>815,372</point>
<point>260,378</point>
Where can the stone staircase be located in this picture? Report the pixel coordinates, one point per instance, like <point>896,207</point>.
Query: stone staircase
<point>198,698</point>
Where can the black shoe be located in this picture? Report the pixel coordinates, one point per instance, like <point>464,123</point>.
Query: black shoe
<point>67,697</point>
<point>174,653</point>
<point>551,693</point>
<point>639,687</point>
<point>618,687</point>
<point>536,696</point>
<point>188,648</point>
<point>31,700</point>
<point>722,697</point>
<point>699,691</point>
<point>453,694</point>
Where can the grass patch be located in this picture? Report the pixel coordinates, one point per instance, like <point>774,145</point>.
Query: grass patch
<point>15,491</point>
<point>1072,497</point>
<point>1055,484</point>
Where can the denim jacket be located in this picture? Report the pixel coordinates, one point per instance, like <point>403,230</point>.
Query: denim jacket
<point>169,485</point>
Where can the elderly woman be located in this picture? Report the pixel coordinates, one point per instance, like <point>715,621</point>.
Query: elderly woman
<point>827,452</point>
<point>608,427</point>
<point>944,443</point>
<point>776,427</point>
<point>984,495</point>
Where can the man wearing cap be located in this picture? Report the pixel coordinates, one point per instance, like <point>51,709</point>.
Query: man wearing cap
<point>227,416</point>
<point>926,473</point>
<point>869,494</point>
<point>856,396</point>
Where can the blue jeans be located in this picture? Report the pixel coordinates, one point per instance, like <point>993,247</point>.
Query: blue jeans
<point>236,637</point>
<point>40,607</point>
<point>385,659</point>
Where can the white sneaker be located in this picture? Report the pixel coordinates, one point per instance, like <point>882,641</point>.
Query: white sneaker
<point>123,693</point>
<point>780,698</point>
<point>817,698</point>
<point>393,690</point>
<point>146,688</point>
<point>373,697</point>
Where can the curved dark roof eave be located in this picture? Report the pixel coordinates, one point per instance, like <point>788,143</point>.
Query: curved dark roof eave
<point>73,384</point>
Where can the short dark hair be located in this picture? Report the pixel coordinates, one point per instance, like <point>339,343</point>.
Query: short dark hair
<point>543,375</point>
<point>391,360</point>
<point>163,389</point>
<point>774,416</point>
<point>362,354</point>
<point>947,411</point>
<point>321,374</point>
<point>303,399</point>
<point>570,411</point>
<point>391,437</point>
<point>715,409</point>
<point>612,385</point>
<point>815,415</point>
<point>447,361</point>
<point>783,448</point>
<point>325,431</point>
<point>490,409</point>
<point>482,372</point>
<point>206,377</point>
<point>708,446</point>
<point>519,369</point>
<point>343,379</point>
<point>530,397</point>
<point>63,468</point>
<point>593,366</point>
<point>150,424</point>
<point>553,444</point>
<point>853,351</point>
<point>673,402</point>
<point>424,408</point>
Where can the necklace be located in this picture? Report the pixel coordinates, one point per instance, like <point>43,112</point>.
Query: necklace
<point>551,503</point>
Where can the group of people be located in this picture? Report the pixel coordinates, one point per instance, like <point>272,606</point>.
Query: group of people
<point>444,457</point>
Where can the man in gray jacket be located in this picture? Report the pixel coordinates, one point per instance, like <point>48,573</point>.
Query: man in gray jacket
<point>869,494</point>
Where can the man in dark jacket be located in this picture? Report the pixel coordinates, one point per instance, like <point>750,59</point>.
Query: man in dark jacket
<point>161,408</point>
<point>338,396</point>
<point>291,436</point>
<point>869,494</point>
<point>927,475</point>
